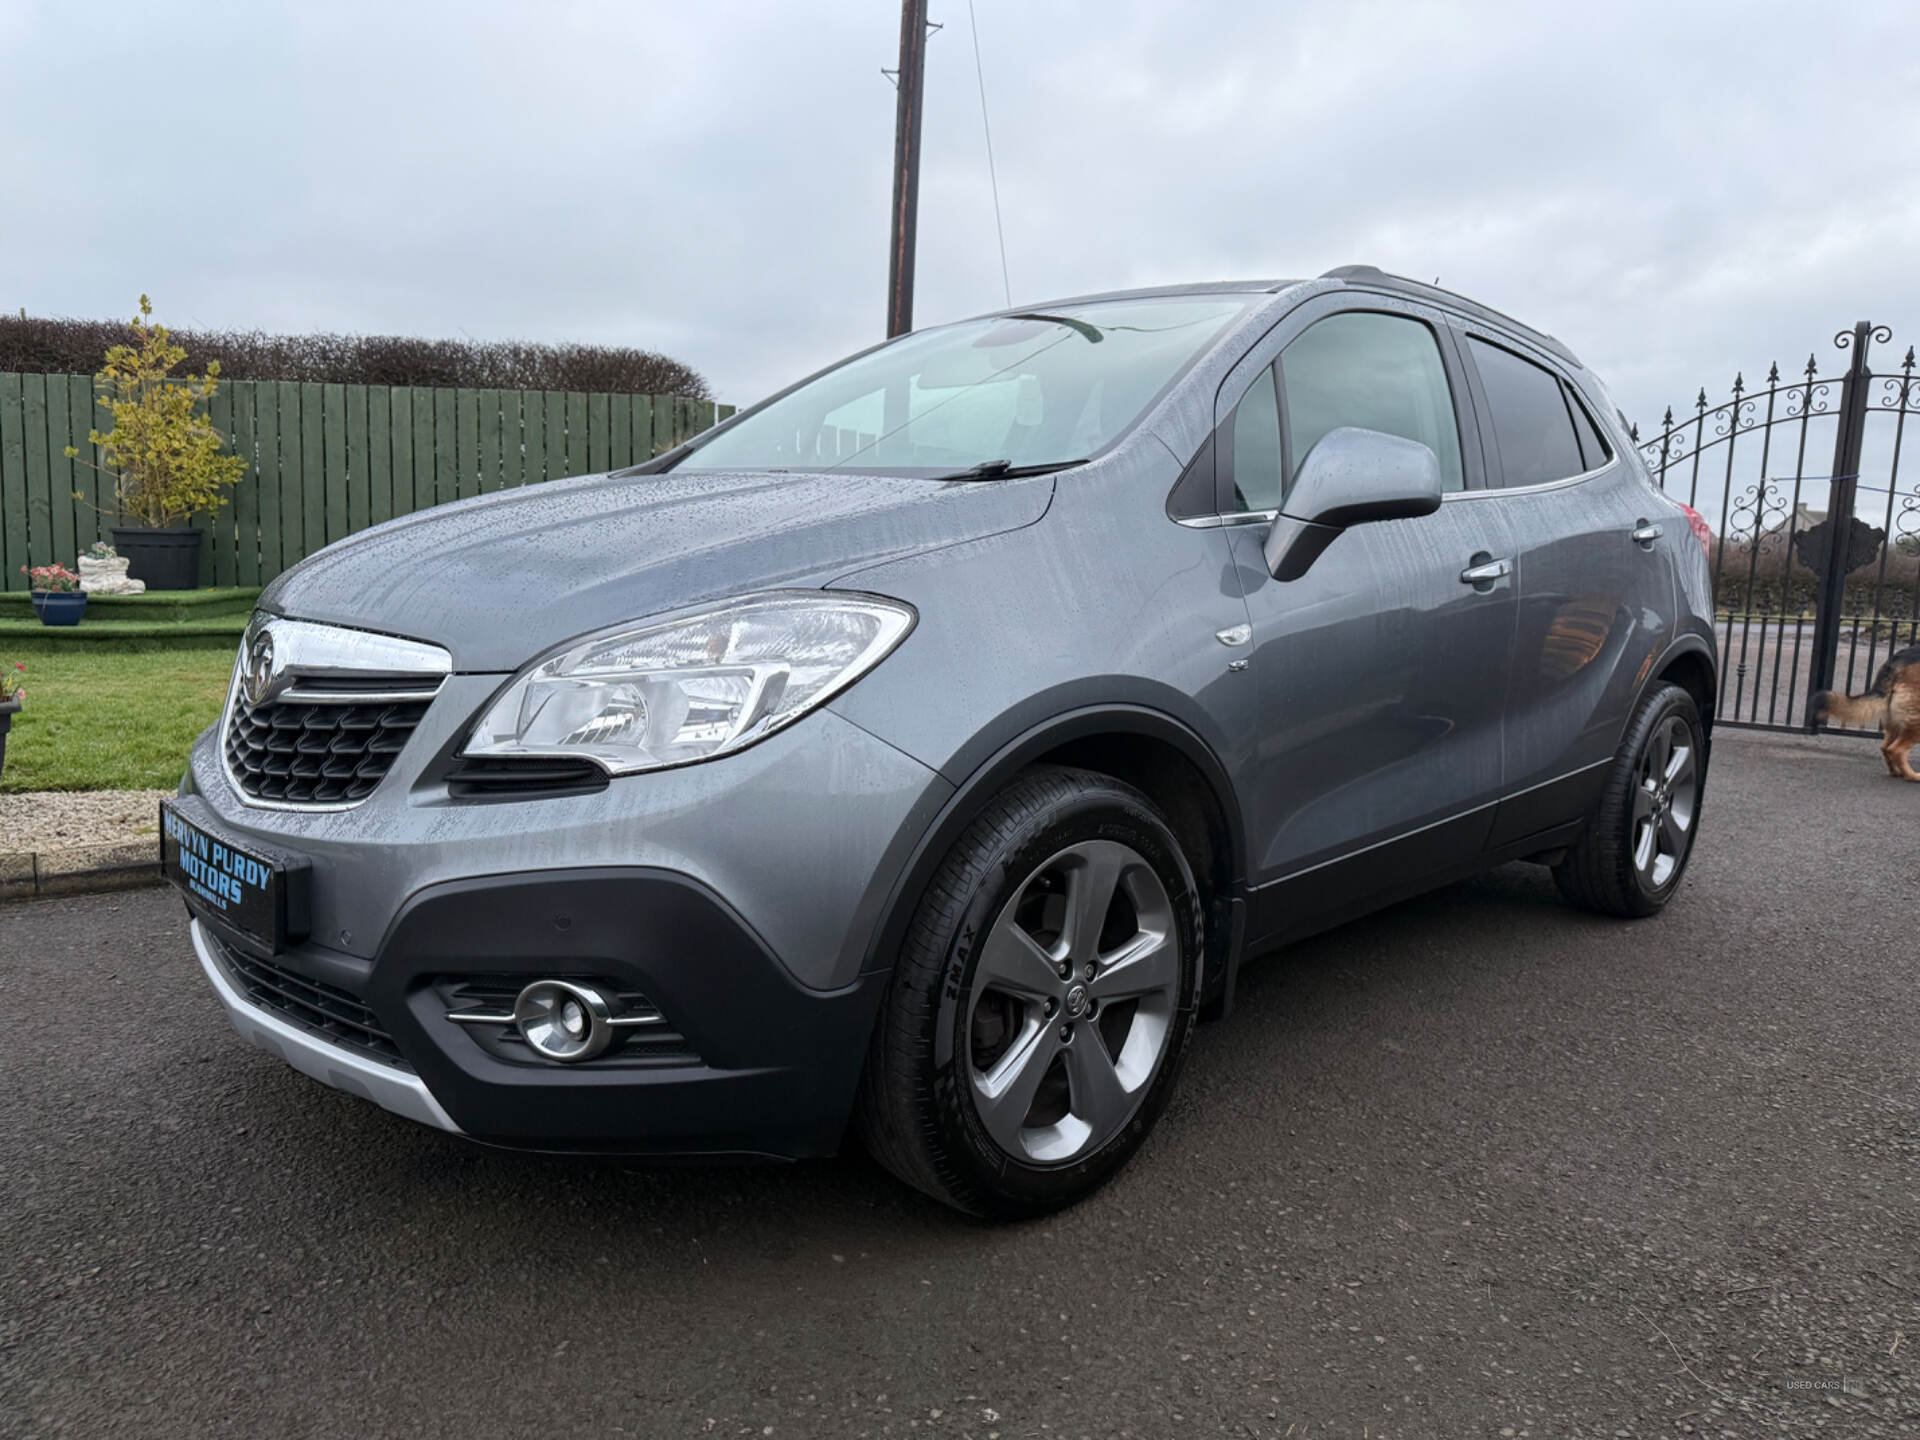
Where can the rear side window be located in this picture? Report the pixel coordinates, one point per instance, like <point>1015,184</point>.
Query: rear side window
<point>1377,372</point>
<point>1531,421</point>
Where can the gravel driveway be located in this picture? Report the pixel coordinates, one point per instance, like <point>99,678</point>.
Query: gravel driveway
<point>1477,1166</point>
<point>39,820</point>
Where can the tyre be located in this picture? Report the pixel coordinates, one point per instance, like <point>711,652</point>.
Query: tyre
<point>1042,1003</point>
<point>1637,843</point>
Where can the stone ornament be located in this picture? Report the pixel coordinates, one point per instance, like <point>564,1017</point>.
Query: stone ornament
<point>108,577</point>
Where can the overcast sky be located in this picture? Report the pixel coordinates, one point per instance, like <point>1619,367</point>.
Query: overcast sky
<point>1675,190</point>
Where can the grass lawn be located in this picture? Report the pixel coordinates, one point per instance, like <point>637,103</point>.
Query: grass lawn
<point>119,718</point>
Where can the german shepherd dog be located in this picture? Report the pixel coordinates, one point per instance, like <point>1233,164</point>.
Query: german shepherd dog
<point>1893,704</point>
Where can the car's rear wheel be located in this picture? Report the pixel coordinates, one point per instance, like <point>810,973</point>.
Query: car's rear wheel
<point>1641,834</point>
<point>1042,1004</point>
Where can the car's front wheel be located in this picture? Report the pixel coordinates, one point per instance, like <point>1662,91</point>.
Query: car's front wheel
<point>1043,1001</point>
<point>1641,834</point>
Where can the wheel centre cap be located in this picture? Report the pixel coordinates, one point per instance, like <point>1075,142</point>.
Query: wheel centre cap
<point>1076,1004</point>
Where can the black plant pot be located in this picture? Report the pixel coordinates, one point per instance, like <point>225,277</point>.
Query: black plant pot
<point>8,709</point>
<point>165,559</point>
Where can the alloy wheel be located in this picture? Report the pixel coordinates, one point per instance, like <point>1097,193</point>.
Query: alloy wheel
<point>1665,801</point>
<point>1072,1002</point>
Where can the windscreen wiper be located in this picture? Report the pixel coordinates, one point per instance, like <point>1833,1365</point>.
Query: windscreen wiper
<point>1007,470</point>
<point>1090,333</point>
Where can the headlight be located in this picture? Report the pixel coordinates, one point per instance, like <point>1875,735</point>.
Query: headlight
<point>695,686</point>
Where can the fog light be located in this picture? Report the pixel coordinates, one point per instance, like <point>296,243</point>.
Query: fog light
<point>564,1021</point>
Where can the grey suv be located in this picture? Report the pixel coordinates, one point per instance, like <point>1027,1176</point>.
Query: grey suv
<point>923,748</point>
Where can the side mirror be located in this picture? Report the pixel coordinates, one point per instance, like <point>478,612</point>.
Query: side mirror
<point>1352,476</point>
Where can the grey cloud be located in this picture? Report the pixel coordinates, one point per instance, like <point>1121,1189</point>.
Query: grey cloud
<point>1678,192</point>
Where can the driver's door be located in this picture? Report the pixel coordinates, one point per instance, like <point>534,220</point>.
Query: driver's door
<point>1382,671</point>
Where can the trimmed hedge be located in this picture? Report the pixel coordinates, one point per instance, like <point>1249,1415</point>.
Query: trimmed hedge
<point>43,346</point>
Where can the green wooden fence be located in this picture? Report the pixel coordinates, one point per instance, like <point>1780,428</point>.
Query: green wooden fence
<point>322,460</point>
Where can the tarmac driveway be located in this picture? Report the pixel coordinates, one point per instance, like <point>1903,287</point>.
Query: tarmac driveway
<point>1476,1166</point>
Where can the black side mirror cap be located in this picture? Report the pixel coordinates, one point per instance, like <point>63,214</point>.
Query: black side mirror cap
<point>1351,477</point>
<point>1293,545</point>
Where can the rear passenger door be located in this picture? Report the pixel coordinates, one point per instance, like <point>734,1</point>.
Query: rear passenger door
<point>1595,600</point>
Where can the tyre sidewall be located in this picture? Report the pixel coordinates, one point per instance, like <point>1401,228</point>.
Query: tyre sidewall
<point>1103,810</point>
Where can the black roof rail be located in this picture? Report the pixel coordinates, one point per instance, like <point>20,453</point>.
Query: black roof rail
<point>1380,279</point>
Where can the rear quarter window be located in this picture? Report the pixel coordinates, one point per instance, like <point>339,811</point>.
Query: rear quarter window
<point>1594,450</point>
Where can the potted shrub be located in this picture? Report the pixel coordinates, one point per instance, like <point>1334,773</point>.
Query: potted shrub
<point>57,596</point>
<point>163,453</point>
<point>12,692</point>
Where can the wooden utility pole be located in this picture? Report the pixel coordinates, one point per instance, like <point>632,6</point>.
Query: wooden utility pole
<point>906,165</point>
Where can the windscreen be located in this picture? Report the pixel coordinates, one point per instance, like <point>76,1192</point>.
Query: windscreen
<point>1042,388</point>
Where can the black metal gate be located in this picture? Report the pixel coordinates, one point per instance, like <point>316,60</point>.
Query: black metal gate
<point>1816,546</point>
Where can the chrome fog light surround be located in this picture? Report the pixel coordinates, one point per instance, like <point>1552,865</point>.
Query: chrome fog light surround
<point>564,1021</point>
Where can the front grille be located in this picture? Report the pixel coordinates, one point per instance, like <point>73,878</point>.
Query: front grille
<point>296,752</point>
<point>325,1010</point>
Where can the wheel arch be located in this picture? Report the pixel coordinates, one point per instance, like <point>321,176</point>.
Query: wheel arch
<point>1145,747</point>
<point>1689,663</point>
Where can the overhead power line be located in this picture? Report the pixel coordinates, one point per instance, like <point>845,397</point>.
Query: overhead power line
<point>993,179</point>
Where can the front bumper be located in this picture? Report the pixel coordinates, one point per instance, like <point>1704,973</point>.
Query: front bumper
<point>766,1067</point>
<point>740,897</point>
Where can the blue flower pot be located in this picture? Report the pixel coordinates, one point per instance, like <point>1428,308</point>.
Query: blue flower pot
<point>59,607</point>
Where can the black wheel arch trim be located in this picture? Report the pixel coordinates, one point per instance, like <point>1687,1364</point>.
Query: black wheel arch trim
<point>1687,644</point>
<point>1017,738</point>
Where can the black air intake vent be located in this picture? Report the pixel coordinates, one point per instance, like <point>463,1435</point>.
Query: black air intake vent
<point>530,779</point>
<point>314,1005</point>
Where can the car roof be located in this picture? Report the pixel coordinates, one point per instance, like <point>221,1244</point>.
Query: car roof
<point>1156,292</point>
<point>1374,277</point>
<point>1359,276</point>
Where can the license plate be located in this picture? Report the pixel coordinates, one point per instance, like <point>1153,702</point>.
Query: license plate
<point>241,886</point>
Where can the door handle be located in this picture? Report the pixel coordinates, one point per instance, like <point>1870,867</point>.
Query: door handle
<point>1645,533</point>
<point>1486,573</point>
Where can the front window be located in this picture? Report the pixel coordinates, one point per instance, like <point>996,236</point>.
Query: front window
<point>1047,387</point>
<point>1375,371</point>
